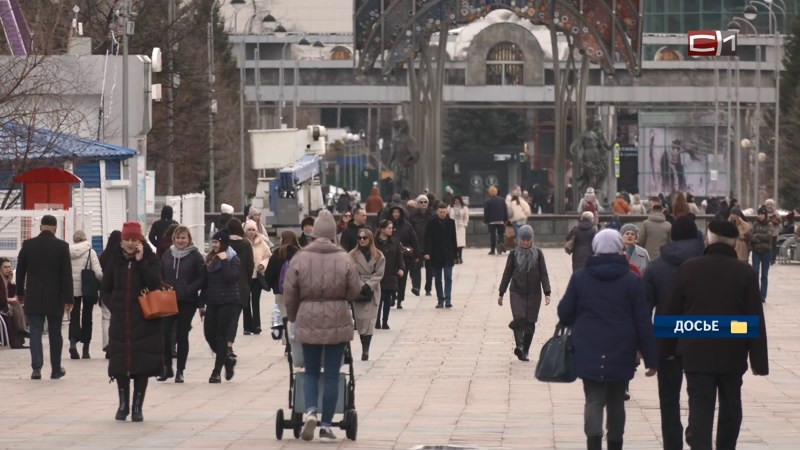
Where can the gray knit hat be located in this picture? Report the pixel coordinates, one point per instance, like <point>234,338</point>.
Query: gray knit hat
<point>325,226</point>
<point>629,227</point>
<point>607,241</point>
<point>525,233</point>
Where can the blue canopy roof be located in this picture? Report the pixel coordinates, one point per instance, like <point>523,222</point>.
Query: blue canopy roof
<point>23,142</point>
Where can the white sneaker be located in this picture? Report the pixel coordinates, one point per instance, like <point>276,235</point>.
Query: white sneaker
<point>326,435</point>
<point>309,425</point>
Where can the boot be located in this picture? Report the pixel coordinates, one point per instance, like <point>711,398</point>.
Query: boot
<point>365,341</point>
<point>86,352</point>
<point>230,363</point>
<point>136,411</point>
<point>518,343</point>
<point>179,376</point>
<point>124,403</point>
<point>594,443</point>
<point>166,373</point>
<point>73,351</point>
<point>614,445</point>
<point>527,340</point>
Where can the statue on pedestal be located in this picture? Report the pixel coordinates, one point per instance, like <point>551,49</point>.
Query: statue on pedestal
<point>404,154</point>
<point>590,155</point>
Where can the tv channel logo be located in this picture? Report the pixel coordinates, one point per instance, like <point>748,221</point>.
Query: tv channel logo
<point>712,43</point>
<point>707,326</point>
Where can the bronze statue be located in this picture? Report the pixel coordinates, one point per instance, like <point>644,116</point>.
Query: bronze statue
<point>404,154</point>
<point>589,155</point>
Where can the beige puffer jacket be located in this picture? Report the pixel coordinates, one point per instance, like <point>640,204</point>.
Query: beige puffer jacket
<point>320,283</point>
<point>261,254</point>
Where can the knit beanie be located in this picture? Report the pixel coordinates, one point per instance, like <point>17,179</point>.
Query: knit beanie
<point>629,227</point>
<point>683,228</point>
<point>132,230</point>
<point>325,226</point>
<point>222,236</point>
<point>525,233</point>
<point>422,198</point>
<point>250,224</point>
<point>607,242</point>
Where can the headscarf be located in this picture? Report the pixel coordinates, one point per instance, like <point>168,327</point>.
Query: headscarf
<point>525,256</point>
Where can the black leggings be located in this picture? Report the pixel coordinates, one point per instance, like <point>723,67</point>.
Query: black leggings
<point>80,325</point>
<point>139,383</point>
<point>182,323</point>
<point>252,312</point>
<point>216,327</point>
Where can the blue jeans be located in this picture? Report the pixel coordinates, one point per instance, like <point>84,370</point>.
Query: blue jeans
<point>36,322</point>
<point>330,395</point>
<point>761,261</point>
<point>443,296</point>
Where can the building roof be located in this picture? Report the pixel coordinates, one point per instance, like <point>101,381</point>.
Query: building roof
<point>19,141</point>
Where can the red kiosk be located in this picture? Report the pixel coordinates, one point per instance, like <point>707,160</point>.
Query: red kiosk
<point>47,188</point>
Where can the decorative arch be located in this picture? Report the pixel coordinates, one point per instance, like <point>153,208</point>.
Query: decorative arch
<point>340,53</point>
<point>498,33</point>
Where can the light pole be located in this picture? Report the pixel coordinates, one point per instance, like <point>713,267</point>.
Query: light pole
<point>296,78</point>
<point>280,31</point>
<point>212,107</point>
<point>237,4</point>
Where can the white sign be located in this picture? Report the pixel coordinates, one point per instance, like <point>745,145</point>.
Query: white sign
<point>150,192</point>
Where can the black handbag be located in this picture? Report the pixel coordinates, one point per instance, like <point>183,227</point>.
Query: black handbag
<point>557,360</point>
<point>365,295</point>
<point>90,287</point>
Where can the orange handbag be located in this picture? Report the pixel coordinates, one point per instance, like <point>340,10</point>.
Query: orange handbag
<point>158,304</point>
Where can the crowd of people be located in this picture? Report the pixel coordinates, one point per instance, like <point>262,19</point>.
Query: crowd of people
<point>337,279</point>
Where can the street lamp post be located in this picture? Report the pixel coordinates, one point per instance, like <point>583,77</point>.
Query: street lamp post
<point>238,6</point>
<point>211,111</point>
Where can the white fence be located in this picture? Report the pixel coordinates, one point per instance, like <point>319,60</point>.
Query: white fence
<point>19,225</point>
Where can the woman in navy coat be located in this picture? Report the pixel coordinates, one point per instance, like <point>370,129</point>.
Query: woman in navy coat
<point>606,306</point>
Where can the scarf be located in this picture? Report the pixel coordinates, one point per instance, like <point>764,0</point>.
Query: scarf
<point>216,264</point>
<point>177,255</point>
<point>366,252</point>
<point>525,258</point>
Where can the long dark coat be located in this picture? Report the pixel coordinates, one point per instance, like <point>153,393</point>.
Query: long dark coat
<point>44,274</point>
<point>527,286</point>
<point>244,250</point>
<point>440,242</point>
<point>135,345</point>
<point>584,234</point>
<point>717,284</point>
<point>393,254</point>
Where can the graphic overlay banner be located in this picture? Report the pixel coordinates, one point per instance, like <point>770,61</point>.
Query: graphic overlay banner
<point>707,327</point>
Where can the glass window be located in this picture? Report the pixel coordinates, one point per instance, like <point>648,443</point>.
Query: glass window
<point>504,65</point>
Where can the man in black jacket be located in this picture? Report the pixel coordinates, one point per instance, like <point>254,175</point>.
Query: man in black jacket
<point>440,251</point>
<point>418,216</point>
<point>160,226</point>
<point>405,234</point>
<point>349,238</point>
<point>44,286</point>
<point>658,279</point>
<point>716,284</point>
<point>495,215</point>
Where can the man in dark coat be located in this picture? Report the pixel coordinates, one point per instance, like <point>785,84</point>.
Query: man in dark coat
<point>658,279</point>
<point>716,284</point>
<point>44,287</point>
<point>418,216</point>
<point>349,238</point>
<point>405,234</point>
<point>495,215</point>
<point>440,251</point>
<point>160,226</point>
<point>244,250</point>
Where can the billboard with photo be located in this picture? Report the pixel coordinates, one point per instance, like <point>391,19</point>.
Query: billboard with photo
<point>677,154</point>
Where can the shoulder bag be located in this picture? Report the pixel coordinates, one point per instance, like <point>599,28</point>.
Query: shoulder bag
<point>557,361</point>
<point>90,287</point>
<point>569,246</point>
<point>160,303</point>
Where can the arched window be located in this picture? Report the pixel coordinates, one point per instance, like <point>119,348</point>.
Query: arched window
<point>341,54</point>
<point>504,65</point>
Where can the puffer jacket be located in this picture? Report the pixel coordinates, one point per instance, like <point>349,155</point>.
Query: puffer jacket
<point>187,275</point>
<point>222,281</point>
<point>762,236</point>
<point>654,234</point>
<point>518,213</point>
<point>319,285</point>
<point>83,256</point>
<point>404,233</point>
<point>261,254</point>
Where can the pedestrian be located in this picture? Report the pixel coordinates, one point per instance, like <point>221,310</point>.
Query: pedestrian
<point>761,245</point>
<point>460,213</point>
<point>275,274</point>
<point>244,251</point>
<point>160,226</point>
<point>374,203</point>
<point>449,196</point>
<point>404,233</point>
<point>693,209</point>
<point>518,213</point>
<point>775,218</point>
<point>440,250</point>
<point>680,205</point>
<point>419,215</point>
<point>621,206</point>
<point>306,225</point>
<point>183,268</point>
<point>583,234</point>
<point>165,241</point>
<point>254,214</point>
<point>226,211</point>
<point>11,311</point>
<point>716,284</point>
<point>82,256</point>
<point>113,243</point>
<point>637,208</point>
<point>220,303</point>
<point>589,203</point>
<point>526,274</point>
<point>658,280</point>
<point>745,236</point>
<point>370,264</point>
<point>261,255</point>
<point>343,202</point>
<point>395,269</point>
<point>637,256</point>
<point>495,215</point>
<point>344,220</point>
<point>606,307</point>
<point>349,237</point>
<point>135,344</point>
<point>319,306</point>
<point>44,287</point>
<point>655,231</point>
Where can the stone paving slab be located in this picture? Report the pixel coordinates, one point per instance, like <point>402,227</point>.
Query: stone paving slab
<point>438,377</point>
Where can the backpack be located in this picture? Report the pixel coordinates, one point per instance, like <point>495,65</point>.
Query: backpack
<point>282,278</point>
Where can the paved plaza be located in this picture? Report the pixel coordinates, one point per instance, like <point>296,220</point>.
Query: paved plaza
<point>438,377</point>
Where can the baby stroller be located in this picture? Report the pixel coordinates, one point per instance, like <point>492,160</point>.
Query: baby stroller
<point>345,405</point>
<point>786,246</point>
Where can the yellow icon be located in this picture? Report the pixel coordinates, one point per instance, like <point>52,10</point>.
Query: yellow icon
<point>738,327</point>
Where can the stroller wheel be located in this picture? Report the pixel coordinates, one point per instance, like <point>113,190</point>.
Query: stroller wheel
<point>351,421</point>
<point>279,425</point>
<point>297,422</point>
